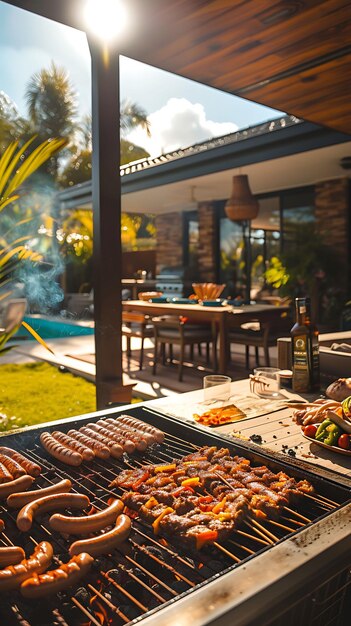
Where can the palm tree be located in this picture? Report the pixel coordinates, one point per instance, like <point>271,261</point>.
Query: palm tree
<point>52,106</point>
<point>132,115</point>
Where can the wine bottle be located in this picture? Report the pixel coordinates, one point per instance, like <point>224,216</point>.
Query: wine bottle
<point>314,351</point>
<point>301,347</point>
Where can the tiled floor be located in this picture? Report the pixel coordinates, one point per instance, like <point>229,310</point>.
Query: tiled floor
<point>77,355</point>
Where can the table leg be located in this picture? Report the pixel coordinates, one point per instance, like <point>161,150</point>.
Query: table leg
<point>222,332</point>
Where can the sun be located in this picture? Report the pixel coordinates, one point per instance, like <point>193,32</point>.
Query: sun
<point>107,19</point>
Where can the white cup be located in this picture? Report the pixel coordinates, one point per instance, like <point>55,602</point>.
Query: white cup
<point>265,382</point>
<point>216,387</point>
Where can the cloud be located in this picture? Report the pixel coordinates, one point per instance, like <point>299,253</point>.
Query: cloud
<point>178,124</point>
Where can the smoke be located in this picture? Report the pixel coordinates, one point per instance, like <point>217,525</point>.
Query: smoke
<point>39,281</point>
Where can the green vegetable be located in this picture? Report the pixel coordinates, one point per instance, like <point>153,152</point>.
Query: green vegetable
<point>346,407</point>
<point>328,432</point>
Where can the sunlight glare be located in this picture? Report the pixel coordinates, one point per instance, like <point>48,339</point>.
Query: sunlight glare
<point>106,18</point>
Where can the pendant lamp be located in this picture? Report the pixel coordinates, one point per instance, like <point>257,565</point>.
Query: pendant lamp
<point>241,205</point>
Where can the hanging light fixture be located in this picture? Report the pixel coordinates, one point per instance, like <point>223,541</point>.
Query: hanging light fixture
<point>241,205</point>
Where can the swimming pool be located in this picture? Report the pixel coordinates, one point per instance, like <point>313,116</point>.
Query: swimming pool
<point>54,328</point>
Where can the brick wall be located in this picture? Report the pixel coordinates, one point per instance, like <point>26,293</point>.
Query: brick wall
<point>332,209</point>
<point>207,242</point>
<point>169,248</point>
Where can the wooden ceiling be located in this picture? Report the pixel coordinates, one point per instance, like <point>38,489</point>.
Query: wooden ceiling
<point>292,55</point>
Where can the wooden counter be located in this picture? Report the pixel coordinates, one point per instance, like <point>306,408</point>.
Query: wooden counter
<point>278,431</point>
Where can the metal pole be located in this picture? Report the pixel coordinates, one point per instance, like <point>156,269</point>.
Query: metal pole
<point>107,223</point>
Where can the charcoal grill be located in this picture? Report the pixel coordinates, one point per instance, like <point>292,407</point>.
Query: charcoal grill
<point>294,570</point>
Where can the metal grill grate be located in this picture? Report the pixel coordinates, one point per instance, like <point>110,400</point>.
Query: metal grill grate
<point>146,572</point>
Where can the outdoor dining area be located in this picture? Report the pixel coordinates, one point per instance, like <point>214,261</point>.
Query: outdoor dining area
<point>217,323</point>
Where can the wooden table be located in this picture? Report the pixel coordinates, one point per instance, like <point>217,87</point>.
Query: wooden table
<point>278,431</point>
<point>197,312</point>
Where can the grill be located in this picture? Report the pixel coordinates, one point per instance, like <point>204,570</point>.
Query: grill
<point>171,282</point>
<point>150,580</point>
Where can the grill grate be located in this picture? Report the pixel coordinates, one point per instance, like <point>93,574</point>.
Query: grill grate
<point>146,572</point>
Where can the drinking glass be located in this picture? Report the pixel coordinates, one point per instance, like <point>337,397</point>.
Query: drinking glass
<point>216,388</point>
<point>265,382</point>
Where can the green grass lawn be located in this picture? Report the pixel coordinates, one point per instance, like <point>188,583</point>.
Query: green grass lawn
<point>37,392</point>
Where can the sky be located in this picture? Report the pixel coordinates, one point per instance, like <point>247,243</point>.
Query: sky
<point>181,112</point>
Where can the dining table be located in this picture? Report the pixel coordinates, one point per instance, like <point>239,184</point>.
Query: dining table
<point>220,315</point>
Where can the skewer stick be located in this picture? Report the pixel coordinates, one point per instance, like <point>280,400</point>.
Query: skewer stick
<point>305,519</point>
<point>265,530</point>
<point>293,521</point>
<point>239,545</point>
<point>265,534</point>
<point>271,521</point>
<point>244,534</point>
<point>230,554</point>
<point>325,502</point>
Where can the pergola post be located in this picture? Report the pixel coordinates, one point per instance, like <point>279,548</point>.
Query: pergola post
<point>107,253</point>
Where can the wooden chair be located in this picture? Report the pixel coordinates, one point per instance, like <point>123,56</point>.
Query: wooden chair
<point>172,330</point>
<point>139,326</point>
<point>262,332</point>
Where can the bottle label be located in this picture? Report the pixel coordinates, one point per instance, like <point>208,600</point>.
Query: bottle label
<point>301,372</point>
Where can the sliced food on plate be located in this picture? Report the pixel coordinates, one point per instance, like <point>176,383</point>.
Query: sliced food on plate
<point>220,415</point>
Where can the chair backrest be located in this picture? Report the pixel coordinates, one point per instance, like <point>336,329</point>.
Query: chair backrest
<point>130,317</point>
<point>13,314</point>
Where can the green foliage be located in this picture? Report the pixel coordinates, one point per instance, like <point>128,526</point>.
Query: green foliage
<point>27,398</point>
<point>276,274</point>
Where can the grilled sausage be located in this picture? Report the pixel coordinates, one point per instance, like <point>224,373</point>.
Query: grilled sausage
<point>49,503</point>
<point>89,523</point>
<point>104,544</point>
<point>127,445</point>
<point>13,467</point>
<point>67,575</point>
<point>99,449</point>
<point>115,449</point>
<point>2,525</point>
<point>33,469</point>
<point>66,440</point>
<point>11,577</point>
<point>18,500</point>
<point>125,434</point>
<point>149,438</point>
<point>11,555</point>
<point>5,475</point>
<point>20,484</point>
<point>60,452</point>
<point>127,419</point>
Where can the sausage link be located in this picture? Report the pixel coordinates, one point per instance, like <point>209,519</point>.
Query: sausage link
<point>100,450</point>
<point>67,575</point>
<point>33,469</point>
<point>149,438</point>
<point>127,445</point>
<point>11,577</point>
<point>20,484</point>
<point>126,433</point>
<point>54,502</point>
<point>89,523</point>
<point>11,555</point>
<point>68,441</point>
<point>60,452</point>
<point>18,500</point>
<point>13,467</point>
<point>5,475</point>
<point>115,449</point>
<point>104,544</point>
<point>160,436</point>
